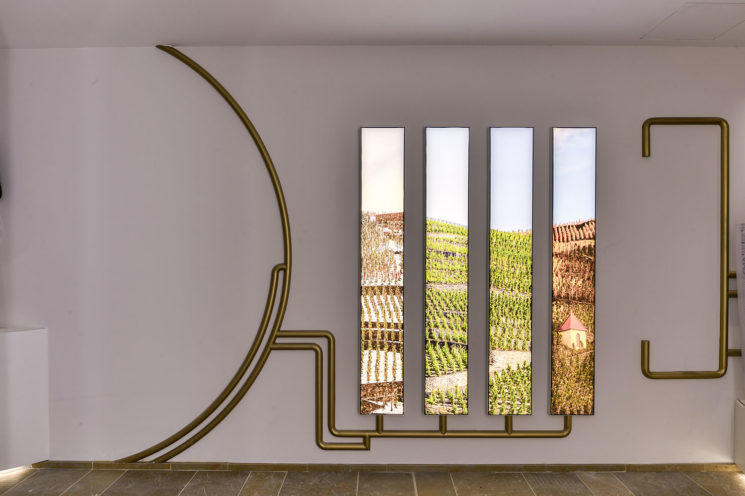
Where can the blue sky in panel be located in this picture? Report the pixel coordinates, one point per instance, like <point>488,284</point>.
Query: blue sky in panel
<point>447,174</point>
<point>574,174</point>
<point>511,165</point>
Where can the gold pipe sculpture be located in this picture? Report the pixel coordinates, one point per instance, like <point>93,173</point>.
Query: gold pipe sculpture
<point>442,431</point>
<point>724,273</point>
<point>285,267</point>
<point>213,414</point>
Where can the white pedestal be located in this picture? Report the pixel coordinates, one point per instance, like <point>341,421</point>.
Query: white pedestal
<point>24,397</point>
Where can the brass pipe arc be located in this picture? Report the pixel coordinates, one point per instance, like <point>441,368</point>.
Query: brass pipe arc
<point>285,267</point>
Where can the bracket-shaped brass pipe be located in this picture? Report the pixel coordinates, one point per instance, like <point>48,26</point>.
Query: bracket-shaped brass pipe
<point>380,431</point>
<point>724,274</point>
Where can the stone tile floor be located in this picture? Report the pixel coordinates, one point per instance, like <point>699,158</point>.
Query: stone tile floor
<point>85,482</point>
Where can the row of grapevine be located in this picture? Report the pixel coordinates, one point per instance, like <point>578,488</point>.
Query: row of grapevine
<point>578,231</point>
<point>574,272</point>
<point>436,226</point>
<point>447,400</point>
<point>382,333</point>
<point>573,379</point>
<point>511,260</point>
<point>447,336</point>
<point>446,258</point>
<point>510,391</point>
<point>382,304</point>
<point>444,358</point>
<point>450,246</point>
<point>381,365</point>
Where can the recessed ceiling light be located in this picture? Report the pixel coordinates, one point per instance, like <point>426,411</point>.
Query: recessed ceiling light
<point>698,21</point>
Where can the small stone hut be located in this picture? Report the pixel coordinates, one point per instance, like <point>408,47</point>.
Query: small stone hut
<point>573,333</point>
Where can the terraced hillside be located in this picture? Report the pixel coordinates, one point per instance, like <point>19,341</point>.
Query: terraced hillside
<point>573,370</point>
<point>510,322</point>
<point>446,318</point>
<point>381,305</point>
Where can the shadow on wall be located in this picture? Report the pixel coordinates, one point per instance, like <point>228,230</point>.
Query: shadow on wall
<point>4,274</point>
<point>5,119</point>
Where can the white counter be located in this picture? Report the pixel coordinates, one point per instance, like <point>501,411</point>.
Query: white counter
<point>24,397</point>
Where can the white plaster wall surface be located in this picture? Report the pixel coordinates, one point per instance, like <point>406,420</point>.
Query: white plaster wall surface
<point>135,227</point>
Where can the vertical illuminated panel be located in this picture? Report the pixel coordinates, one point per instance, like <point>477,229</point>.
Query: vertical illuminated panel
<point>446,271</point>
<point>510,270</point>
<point>573,281</point>
<point>381,270</point>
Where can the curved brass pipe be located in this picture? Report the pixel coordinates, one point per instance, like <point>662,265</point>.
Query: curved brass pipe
<point>228,389</point>
<point>271,344</point>
<point>285,267</point>
<point>723,247</point>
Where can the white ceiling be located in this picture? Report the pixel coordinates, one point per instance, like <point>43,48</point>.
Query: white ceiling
<point>90,23</point>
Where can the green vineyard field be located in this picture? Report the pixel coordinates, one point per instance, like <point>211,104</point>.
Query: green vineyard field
<point>446,315</point>
<point>510,320</point>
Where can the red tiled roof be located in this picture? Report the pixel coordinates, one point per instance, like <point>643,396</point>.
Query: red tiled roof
<point>572,322</point>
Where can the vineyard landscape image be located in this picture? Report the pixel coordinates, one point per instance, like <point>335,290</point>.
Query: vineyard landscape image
<point>446,271</point>
<point>510,270</point>
<point>573,272</point>
<point>381,270</point>
<point>446,266</point>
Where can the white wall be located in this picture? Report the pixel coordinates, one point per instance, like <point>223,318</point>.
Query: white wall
<point>135,228</point>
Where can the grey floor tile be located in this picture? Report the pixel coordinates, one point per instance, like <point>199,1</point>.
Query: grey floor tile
<point>11,478</point>
<point>553,484</point>
<point>47,482</point>
<point>319,484</point>
<point>150,483</point>
<point>490,484</point>
<point>720,483</point>
<point>385,484</point>
<point>217,483</point>
<point>94,483</point>
<point>263,484</point>
<point>604,484</point>
<point>660,484</point>
<point>434,484</point>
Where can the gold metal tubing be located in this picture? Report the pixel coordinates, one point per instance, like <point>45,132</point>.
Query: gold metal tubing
<point>230,386</point>
<point>478,434</point>
<point>365,444</point>
<point>380,431</point>
<point>230,405</point>
<point>724,272</point>
<point>286,267</point>
<point>257,140</point>
<point>331,395</point>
